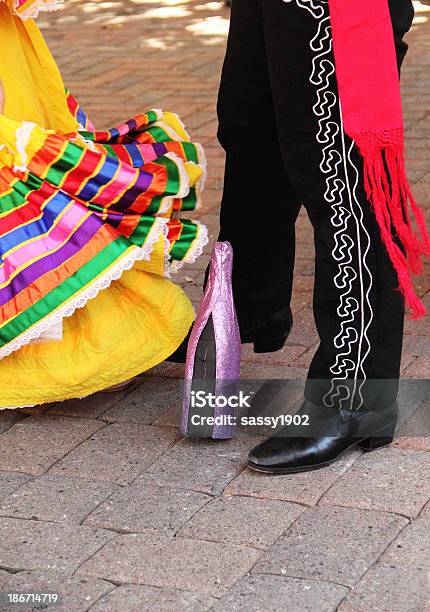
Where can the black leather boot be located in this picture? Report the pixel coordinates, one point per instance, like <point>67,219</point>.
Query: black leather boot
<point>328,434</point>
<point>268,333</point>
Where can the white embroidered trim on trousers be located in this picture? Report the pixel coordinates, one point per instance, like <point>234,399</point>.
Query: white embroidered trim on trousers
<point>355,316</point>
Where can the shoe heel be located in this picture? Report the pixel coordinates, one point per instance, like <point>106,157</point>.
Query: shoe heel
<point>270,346</point>
<point>385,437</point>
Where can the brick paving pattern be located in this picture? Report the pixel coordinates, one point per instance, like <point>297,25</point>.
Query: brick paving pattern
<point>101,500</point>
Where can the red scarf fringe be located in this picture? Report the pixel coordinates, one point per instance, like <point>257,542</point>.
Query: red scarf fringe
<point>395,209</point>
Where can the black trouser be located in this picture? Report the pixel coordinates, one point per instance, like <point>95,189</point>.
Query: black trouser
<point>281,127</point>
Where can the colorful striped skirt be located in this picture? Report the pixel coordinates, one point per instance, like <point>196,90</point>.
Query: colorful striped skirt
<point>78,211</point>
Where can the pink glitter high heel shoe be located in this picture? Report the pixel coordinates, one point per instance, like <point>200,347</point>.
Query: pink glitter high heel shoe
<point>213,356</point>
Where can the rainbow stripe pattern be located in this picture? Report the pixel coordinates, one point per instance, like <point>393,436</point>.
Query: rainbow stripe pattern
<point>77,209</point>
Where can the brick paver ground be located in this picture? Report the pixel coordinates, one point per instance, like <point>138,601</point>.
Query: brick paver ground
<point>101,499</point>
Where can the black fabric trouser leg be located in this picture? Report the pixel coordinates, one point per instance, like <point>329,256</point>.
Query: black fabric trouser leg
<point>259,207</point>
<point>281,126</point>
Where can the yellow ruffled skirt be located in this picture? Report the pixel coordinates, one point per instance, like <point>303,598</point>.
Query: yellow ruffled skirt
<point>89,229</point>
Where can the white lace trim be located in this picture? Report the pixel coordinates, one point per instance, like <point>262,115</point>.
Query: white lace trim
<point>39,6</point>
<point>202,238</point>
<point>184,184</point>
<point>161,230</point>
<point>200,241</point>
<point>167,244</point>
<point>170,131</point>
<point>22,138</point>
<point>201,183</point>
<point>54,333</point>
<point>184,180</point>
<point>182,124</point>
<point>157,111</point>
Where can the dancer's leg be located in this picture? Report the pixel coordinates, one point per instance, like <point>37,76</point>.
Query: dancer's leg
<point>259,205</point>
<point>355,299</point>
<point>358,310</point>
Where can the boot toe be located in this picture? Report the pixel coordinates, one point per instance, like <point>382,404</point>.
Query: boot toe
<point>284,455</point>
<point>273,453</point>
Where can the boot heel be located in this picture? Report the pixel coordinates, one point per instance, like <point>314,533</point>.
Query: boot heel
<point>270,346</point>
<point>385,437</point>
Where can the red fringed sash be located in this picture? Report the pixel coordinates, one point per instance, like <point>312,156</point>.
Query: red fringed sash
<point>369,92</point>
